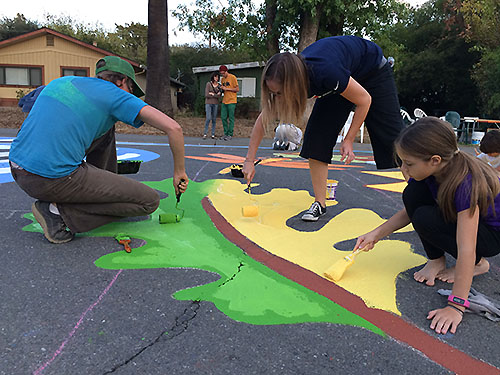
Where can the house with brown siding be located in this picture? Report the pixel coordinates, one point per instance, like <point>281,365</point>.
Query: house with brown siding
<point>36,58</point>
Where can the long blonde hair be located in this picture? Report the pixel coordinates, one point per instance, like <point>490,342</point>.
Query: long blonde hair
<point>290,71</point>
<point>431,136</point>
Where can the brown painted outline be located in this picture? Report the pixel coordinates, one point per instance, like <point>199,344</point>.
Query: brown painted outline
<point>394,326</point>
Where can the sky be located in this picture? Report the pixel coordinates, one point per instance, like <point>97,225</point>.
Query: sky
<point>106,13</point>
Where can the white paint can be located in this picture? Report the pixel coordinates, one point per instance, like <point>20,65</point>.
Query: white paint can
<point>331,187</point>
<point>476,137</point>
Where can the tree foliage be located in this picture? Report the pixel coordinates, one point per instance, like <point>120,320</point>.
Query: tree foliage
<point>12,27</point>
<point>487,78</point>
<point>237,26</point>
<point>433,60</point>
<point>482,19</point>
<point>283,24</point>
<point>130,40</point>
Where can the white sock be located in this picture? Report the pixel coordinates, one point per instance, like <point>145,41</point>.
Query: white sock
<point>53,209</point>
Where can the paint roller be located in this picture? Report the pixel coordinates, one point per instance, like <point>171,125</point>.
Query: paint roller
<point>169,218</point>
<point>336,271</point>
<point>250,211</point>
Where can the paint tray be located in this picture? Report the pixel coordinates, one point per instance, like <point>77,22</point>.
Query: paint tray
<point>236,170</point>
<point>128,166</point>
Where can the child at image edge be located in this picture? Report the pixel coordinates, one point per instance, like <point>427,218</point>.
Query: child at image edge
<point>452,200</point>
<point>490,149</point>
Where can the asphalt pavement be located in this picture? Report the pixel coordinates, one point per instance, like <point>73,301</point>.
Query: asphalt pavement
<point>62,314</point>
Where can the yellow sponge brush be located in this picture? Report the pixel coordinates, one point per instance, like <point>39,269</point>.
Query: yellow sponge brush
<point>336,271</point>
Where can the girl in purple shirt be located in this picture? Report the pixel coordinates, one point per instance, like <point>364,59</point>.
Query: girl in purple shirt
<point>453,202</point>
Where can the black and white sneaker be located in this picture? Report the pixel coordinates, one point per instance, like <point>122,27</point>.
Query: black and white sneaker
<point>314,212</point>
<point>53,225</point>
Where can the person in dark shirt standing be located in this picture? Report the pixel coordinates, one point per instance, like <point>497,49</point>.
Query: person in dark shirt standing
<point>340,72</point>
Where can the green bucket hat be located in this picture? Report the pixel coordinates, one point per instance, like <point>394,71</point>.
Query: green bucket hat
<point>118,65</point>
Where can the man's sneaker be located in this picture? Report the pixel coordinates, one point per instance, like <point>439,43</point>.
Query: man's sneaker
<point>314,212</point>
<point>53,225</point>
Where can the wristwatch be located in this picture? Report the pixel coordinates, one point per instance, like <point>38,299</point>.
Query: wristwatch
<point>458,301</point>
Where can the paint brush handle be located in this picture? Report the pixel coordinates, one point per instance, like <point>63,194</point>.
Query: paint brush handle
<point>126,243</point>
<point>257,162</point>
<point>352,255</point>
<point>357,251</point>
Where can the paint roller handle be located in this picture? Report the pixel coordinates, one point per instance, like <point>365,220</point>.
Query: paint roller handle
<point>178,194</point>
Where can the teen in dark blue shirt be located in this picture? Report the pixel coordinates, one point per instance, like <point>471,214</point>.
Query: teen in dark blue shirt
<point>343,73</point>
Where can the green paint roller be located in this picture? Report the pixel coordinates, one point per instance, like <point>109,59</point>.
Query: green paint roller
<point>170,218</point>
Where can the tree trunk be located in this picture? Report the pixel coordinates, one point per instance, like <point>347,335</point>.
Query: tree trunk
<point>272,40</point>
<point>309,27</point>
<point>158,73</point>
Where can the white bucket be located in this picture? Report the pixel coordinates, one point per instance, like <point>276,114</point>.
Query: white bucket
<point>331,187</point>
<point>476,137</point>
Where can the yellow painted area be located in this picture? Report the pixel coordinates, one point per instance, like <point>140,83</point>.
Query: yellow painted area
<point>372,276</point>
<point>391,174</point>
<point>397,187</point>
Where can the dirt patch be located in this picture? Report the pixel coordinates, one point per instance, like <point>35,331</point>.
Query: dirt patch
<point>13,117</point>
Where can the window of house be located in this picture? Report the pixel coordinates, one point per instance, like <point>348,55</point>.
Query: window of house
<point>247,87</point>
<point>20,76</point>
<point>74,72</point>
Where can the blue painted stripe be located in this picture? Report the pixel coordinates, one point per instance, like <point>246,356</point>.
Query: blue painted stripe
<point>215,146</point>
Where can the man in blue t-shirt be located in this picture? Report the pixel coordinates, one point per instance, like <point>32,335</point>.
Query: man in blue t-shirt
<point>65,152</point>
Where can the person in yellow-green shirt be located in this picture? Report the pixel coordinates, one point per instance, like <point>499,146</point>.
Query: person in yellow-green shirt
<point>229,84</point>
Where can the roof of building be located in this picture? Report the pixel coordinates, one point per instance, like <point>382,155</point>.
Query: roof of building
<point>45,30</point>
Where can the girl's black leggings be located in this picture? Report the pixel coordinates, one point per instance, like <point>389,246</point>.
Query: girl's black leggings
<point>437,236</point>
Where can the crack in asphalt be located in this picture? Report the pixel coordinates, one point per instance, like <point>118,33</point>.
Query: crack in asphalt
<point>181,325</point>
<point>234,275</point>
